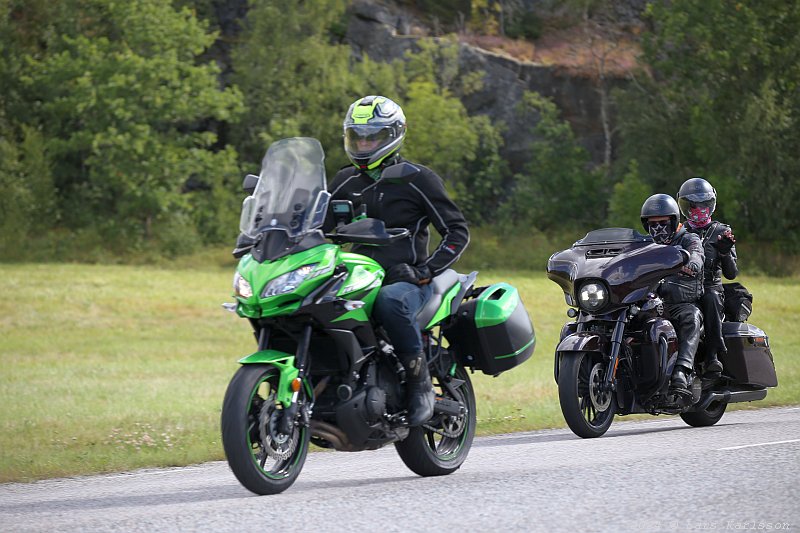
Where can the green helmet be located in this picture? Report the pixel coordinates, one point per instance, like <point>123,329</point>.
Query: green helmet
<point>374,129</point>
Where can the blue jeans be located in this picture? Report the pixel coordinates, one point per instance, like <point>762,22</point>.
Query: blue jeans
<point>397,307</point>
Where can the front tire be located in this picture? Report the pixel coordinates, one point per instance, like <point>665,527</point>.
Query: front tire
<point>440,446</point>
<point>579,405</point>
<point>706,417</point>
<point>263,459</point>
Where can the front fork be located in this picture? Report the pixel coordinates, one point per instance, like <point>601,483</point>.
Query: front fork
<point>609,382</point>
<point>300,362</point>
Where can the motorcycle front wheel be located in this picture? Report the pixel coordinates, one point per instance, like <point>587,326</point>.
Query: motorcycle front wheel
<point>263,458</point>
<point>587,409</point>
<point>440,446</point>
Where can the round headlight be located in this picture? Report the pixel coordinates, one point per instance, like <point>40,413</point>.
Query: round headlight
<point>592,296</point>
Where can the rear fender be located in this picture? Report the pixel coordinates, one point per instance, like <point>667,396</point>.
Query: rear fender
<point>284,362</point>
<point>576,343</point>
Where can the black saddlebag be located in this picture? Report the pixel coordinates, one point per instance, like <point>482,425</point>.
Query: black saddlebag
<point>749,358</point>
<point>493,332</point>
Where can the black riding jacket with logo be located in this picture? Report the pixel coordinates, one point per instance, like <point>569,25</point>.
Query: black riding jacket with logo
<point>680,288</point>
<point>413,203</point>
<point>716,264</point>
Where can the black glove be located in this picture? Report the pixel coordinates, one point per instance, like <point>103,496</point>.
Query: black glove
<point>725,243</point>
<point>409,274</point>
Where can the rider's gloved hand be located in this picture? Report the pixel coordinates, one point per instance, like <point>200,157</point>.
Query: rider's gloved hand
<point>409,274</point>
<point>725,243</point>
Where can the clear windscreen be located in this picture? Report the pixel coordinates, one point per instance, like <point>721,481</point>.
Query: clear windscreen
<point>290,194</point>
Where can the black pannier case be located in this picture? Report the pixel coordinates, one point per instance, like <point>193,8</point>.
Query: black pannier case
<point>749,358</point>
<point>492,332</point>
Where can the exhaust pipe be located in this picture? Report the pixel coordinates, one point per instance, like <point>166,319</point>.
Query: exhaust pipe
<point>332,434</point>
<point>729,396</point>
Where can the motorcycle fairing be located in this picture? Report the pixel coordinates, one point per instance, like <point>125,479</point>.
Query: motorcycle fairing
<point>625,267</point>
<point>258,275</point>
<point>284,362</point>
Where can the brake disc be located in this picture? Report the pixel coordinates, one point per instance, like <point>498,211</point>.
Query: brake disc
<point>278,446</point>
<point>600,399</point>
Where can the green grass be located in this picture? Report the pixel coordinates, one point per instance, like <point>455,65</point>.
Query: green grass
<point>109,368</point>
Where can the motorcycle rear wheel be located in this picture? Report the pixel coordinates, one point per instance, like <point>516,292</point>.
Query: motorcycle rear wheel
<point>427,450</point>
<point>262,458</point>
<point>580,413</point>
<point>706,417</point>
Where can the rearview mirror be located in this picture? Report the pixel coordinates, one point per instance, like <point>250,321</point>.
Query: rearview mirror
<point>249,184</point>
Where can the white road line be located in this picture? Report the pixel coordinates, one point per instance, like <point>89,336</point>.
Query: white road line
<point>759,444</point>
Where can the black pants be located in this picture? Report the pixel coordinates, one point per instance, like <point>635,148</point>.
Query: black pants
<point>687,320</point>
<point>713,306</point>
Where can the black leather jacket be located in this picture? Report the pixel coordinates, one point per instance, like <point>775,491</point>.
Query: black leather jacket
<point>680,288</point>
<point>716,265</point>
<point>414,203</point>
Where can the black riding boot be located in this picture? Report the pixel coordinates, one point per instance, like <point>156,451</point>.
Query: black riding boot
<point>680,378</point>
<point>419,389</point>
<point>713,365</point>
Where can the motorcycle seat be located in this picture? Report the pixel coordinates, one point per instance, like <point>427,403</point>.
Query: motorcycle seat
<point>441,284</point>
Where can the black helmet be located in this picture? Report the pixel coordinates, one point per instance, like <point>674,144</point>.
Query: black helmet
<point>660,205</point>
<point>697,192</point>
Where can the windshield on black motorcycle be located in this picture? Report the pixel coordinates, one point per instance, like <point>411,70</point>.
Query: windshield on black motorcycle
<point>628,262</point>
<point>290,195</point>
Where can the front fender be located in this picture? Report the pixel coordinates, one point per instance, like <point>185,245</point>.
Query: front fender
<point>578,343</point>
<point>284,362</point>
<point>583,341</point>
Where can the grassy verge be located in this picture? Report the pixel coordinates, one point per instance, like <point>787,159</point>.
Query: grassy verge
<point>108,368</point>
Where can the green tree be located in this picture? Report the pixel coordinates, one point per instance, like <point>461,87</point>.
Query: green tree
<point>297,81</point>
<point>557,189</point>
<point>723,102</point>
<point>440,133</point>
<point>123,104</point>
<point>628,195</point>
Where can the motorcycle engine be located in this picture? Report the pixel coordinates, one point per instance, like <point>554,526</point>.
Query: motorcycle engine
<point>375,404</point>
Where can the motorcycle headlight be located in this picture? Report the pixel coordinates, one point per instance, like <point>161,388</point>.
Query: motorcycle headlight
<point>241,287</point>
<point>287,282</point>
<point>592,296</point>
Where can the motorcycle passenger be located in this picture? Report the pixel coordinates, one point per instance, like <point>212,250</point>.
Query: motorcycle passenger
<point>681,291</point>
<point>374,129</point>
<point>697,200</point>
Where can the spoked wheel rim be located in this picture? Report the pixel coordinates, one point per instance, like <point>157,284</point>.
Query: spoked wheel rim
<point>274,452</point>
<point>446,435</point>
<point>594,403</point>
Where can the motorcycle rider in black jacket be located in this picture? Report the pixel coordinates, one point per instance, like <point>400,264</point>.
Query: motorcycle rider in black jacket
<point>374,129</point>
<point>697,200</point>
<point>680,291</point>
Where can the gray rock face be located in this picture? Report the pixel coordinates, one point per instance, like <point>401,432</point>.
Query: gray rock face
<point>373,30</point>
<point>386,31</point>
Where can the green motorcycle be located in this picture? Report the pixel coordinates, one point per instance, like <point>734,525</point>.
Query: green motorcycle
<point>325,371</point>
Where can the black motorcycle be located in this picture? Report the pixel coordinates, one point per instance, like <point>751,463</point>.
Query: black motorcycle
<point>617,354</point>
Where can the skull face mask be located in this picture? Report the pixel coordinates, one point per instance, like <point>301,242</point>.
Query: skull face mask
<point>699,216</point>
<point>660,231</point>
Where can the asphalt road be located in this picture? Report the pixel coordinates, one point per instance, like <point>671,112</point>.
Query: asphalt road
<point>656,475</point>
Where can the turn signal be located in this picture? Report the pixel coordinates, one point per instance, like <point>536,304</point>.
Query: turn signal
<point>296,385</point>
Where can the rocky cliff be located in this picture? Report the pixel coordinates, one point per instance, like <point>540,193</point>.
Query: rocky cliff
<point>385,31</point>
